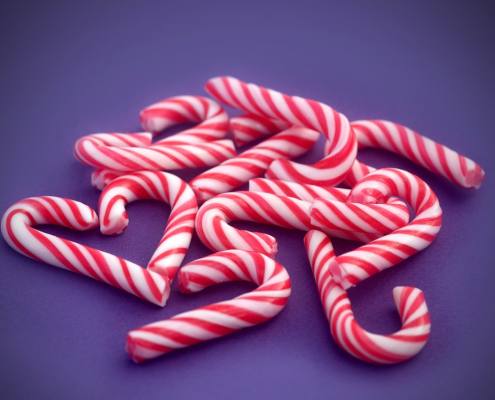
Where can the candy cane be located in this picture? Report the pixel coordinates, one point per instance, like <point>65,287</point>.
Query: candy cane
<point>236,171</point>
<point>369,259</point>
<point>419,149</point>
<point>156,185</point>
<point>296,111</point>
<point>334,215</point>
<point>18,231</point>
<point>381,134</point>
<point>297,190</point>
<point>219,319</point>
<point>118,152</point>
<point>212,220</point>
<point>250,127</point>
<point>212,119</point>
<point>346,331</point>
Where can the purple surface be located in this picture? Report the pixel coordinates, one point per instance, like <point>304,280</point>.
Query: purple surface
<point>71,69</point>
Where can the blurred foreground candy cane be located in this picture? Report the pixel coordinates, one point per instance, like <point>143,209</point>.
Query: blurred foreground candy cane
<point>219,319</point>
<point>297,111</point>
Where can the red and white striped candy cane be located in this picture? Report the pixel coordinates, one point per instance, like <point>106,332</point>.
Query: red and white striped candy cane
<point>219,319</point>
<point>400,346</point>
<point>298,111</point>
<point>18,231</point>
<point>371,258</point>
<point>118,152</point>
<point>212,221</point>
<point>156,185</point>
<point>213,122</point>
<point>420,149</point>
<point>297,190</point>
<point>249,127</point>
<point>334,215</point>
<point>380,134</point>
<point>236,171</point>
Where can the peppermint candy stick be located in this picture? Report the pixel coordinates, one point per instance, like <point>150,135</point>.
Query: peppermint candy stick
<point>380,134</point>
<point>156,185</point>
<point>298,111</point>
<point>219,319</point>
<point>333,214</point>
<point>236,171</point>
<point>117,151</point>
<point>346,331</point>
<point>213,122</point>
<point>18,231</point>
<point>250,127</point>
<point>385,252</point>
<point>212,220</point>
<point>299,191</point>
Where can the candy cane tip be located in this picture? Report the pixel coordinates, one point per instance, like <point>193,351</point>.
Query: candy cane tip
<point>116,226</point>
<point>475,177</point>
<point>131,348</point>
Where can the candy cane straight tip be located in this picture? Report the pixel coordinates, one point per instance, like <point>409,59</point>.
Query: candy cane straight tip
<point>346,331</point>
<point>219,319</point>
<point>418,148</point>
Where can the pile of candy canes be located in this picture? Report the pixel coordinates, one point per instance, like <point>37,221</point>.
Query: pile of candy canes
<point>375,211</point>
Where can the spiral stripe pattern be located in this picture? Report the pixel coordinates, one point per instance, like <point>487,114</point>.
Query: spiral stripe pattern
<point>161,186</point>
<point>212,120</point>
<point>237,171</point>
<point>250,127</point>
<point>297,111</point>
<point>18,231</point>
<point>397,347</point>
<point>386,251</point>
<point>219,319</point>
<point>113,151</point>
<point>213,218</point>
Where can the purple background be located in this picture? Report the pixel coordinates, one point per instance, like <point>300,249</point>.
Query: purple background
<point>71,69</point>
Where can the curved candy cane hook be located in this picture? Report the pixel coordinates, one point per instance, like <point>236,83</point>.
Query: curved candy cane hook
<point>212,221</point>
<point>173,152</point>
<point>387,251</point>
<point>346,331</point>
<point>219,319</point>
<point>298,111</point>
<point>18,231</point>
<point>213,121</point>
<point>156,185</point>
<point>380,134</point>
